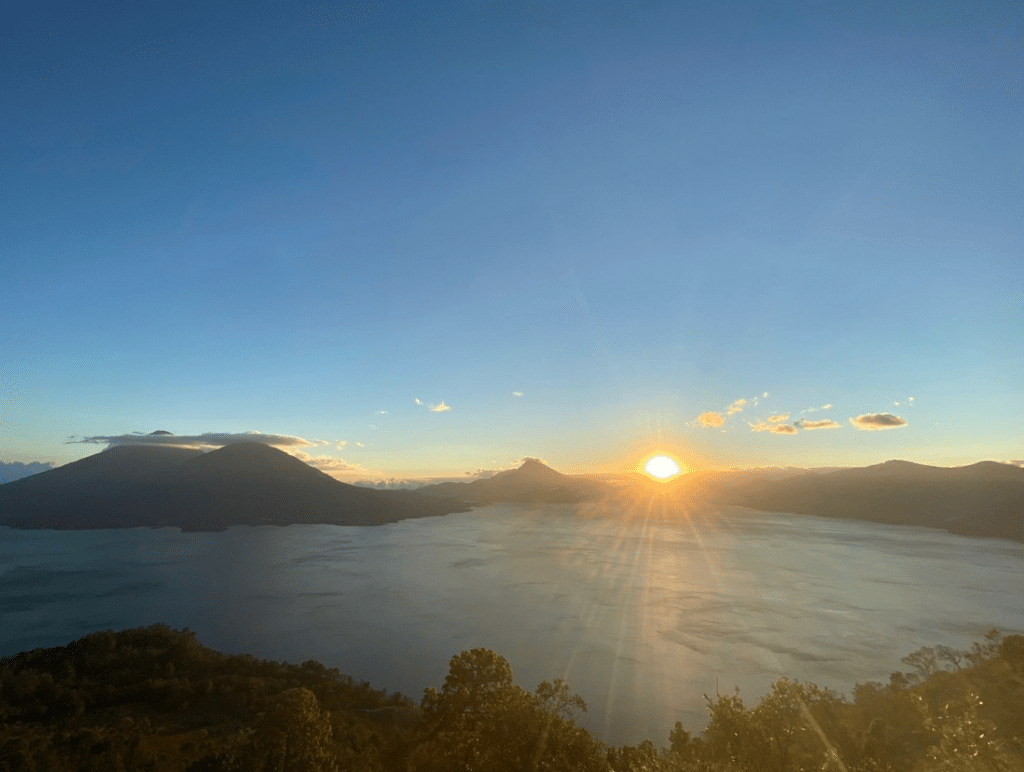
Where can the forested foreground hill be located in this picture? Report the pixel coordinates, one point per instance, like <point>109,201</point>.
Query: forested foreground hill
<point>155,699</point>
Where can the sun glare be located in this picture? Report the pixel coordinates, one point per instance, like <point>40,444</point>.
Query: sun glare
<point>662,467</point>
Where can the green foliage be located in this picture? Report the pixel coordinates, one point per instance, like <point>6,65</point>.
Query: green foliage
<point>154,699</point>
<point>481,720</point>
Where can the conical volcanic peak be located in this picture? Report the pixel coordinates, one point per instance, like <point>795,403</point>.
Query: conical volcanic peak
<point>256,463</point>
<point>121,463</point>
<point>532,469</point>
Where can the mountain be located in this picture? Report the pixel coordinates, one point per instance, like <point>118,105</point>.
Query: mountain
<point>533,482</point>
<point>983,499</point>
<point>246,483</point>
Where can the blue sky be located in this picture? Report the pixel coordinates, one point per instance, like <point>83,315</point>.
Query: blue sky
<point>588,229</point>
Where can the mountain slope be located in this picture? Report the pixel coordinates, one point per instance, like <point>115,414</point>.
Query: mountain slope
<point>532,482</point>
<point>983,499</point>
<point>241,484</point>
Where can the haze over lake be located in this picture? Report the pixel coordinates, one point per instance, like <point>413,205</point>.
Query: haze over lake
<point>639,615</point>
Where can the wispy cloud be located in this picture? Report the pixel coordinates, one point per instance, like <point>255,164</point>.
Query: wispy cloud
<point>877,421</point>
<point>775,428</point>
<point>204,441</point>
<point>827,407</point>
<point>735,407</point>
<point>775,419</point>
<point>340,445</point>
<point>440,407</point>
<point>826,423</point>
<point>382,412</point>
<point>711,419</point>
<point>517,393</point>
<point>329,465</point>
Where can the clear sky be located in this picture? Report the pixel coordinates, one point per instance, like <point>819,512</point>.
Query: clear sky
<point>587,229</point>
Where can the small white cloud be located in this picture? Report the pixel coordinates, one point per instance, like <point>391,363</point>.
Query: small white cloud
<point>783,429</point>
<point>517,393</point>
<point>382,412</point>
<point>418,401</point>
<point>764,395</point>
<point>440,407</point>
<point>360,445</point>
<point>827,407</point>
<point>341,444</point>
<point>760,426</point>
<point>711,419</point>
<point>877,421</point>
<point>775,419</point>
<point>736,407</point>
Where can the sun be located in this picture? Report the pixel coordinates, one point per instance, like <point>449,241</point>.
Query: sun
<point>662,467</point>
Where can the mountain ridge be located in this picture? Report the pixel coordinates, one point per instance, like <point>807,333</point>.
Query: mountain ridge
<point>132,486</point>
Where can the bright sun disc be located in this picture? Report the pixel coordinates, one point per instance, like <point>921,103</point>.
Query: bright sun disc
<point>662,467</point>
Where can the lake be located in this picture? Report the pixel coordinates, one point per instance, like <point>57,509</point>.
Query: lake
<point>640,614</point>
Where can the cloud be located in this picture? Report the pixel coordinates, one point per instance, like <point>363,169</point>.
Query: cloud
<point>877,421</point>
<point>440,407</point>
<point>382,412</point>
<point>204,441</point>
<point>1015,461</point>
<point>736,407</point>
<point>329,465</point>
<point>760,426</point>
<point>764,395</point>
<point>520,461</point>
<point>391,483</point>
<point>517,393</point>
<point>826,423</point>
<point>340,445</point>
<point>778,418</point>
<point>360,445</point>
<point>15,470</point>
<point>783,429</point>
<point>711,419</point>
<point>827,407</point>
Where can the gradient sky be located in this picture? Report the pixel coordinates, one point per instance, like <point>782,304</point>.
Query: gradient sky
<point>587,228</point>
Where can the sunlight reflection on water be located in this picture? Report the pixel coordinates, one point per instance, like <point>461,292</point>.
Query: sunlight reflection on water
<point>640,614</point>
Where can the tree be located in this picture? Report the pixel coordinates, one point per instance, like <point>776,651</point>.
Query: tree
<point>481,720</point>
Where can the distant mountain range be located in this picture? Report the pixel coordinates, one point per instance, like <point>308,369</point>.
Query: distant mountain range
<point>983,499</point>
<point>246,483</point>
<point>533,482</point>
<point>251,483</point>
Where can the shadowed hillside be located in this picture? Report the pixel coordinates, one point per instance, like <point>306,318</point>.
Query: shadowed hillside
<point>241,484</point>
<point>157,700</point>
<point>983,499</point>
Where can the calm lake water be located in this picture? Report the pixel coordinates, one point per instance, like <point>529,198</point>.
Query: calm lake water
<point>640,615</point>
